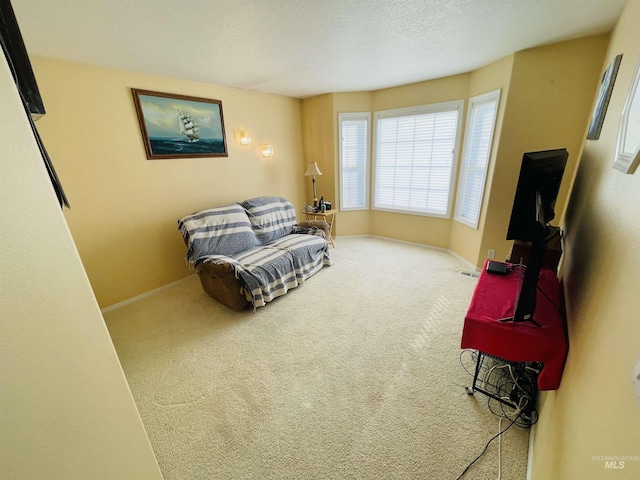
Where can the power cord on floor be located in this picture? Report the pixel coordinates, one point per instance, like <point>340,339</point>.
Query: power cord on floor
<point>514,387</point>
<point>500,449</point>
<point>498,435</point>
<point>516,415</point>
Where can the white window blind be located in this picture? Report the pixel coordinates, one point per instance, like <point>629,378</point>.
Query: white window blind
<point>481,122</point>
<point>354,160</point>
<point>415,158</point>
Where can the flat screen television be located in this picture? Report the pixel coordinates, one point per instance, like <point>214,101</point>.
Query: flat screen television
<point>533,209</point>
<point>540,172</point>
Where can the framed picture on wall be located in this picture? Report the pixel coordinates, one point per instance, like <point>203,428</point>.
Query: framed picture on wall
<point>180,126</point>
<point>627,155</point>
<point>604,95</point>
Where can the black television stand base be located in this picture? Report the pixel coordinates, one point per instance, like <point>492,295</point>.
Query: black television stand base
<point>512,319</point>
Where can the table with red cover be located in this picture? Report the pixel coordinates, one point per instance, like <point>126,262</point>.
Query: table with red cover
<point>494,298</point>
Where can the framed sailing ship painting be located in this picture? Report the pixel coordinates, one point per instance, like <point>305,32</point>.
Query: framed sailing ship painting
<point>180,126</point>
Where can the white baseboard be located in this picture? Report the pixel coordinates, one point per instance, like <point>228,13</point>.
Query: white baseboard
<point>144,295</point>
<point>450,252</point>
<point>464,260</point>
<point>530,453</point>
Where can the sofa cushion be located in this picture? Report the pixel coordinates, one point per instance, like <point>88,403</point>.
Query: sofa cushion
<point>222,230</point>
<point>270,217</point>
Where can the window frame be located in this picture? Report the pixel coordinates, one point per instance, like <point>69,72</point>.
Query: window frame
<point>355,116</point>
<point>454,105</point>
<point>489,97</point>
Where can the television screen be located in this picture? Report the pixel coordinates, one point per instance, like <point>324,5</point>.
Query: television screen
<point>540,172</point>
<point>16,54</point>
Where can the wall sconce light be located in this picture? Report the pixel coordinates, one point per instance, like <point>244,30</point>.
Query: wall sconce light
<point>244,137</point>
<point>267,150</point>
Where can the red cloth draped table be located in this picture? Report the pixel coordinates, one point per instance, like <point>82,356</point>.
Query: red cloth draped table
<point>494,298</point>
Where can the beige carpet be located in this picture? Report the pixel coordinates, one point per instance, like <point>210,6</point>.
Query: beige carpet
<point>354,375</point>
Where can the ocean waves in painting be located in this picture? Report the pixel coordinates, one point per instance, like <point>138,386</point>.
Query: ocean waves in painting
<point>180,146</point>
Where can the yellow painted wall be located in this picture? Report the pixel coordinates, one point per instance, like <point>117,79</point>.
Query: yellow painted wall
<point>423,93</point>
<point>595,412</point>
<point>125,207</point>
<point>464,240</point>
<point>546,95</point>
<point>549,102</point>
<point>317,128</point>
<point>66,411</point>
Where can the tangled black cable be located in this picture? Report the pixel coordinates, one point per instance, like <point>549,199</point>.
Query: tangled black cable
<point>474,358</point>
<point>509,381</point>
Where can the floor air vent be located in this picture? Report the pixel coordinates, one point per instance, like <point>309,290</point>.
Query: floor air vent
<point>469,274</point>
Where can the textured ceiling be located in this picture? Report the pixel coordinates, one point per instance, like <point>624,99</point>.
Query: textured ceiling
<point>301,48</point>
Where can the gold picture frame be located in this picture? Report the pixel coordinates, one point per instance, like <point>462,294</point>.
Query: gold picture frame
<point>180,126</point>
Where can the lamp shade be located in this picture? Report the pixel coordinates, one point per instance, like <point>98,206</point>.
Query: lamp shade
<point>312,169</point>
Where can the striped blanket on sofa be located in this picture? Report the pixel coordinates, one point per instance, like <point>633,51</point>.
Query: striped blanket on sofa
<point>271,270</point>
<point>256,238</point>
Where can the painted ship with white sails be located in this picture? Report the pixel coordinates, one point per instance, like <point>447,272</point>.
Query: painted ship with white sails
<point>189,127</point>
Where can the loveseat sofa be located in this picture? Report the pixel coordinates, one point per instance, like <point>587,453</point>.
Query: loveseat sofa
<point>249,253</point>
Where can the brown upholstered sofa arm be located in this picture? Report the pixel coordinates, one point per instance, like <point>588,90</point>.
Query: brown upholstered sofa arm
<point>214,269</point>
<point>219,281</point>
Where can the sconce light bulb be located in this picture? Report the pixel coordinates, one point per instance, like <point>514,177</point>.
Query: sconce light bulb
<point>267,150</point>
<point>245,137</point>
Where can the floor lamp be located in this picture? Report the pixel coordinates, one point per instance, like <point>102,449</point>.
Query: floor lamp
<point>312,171</point>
